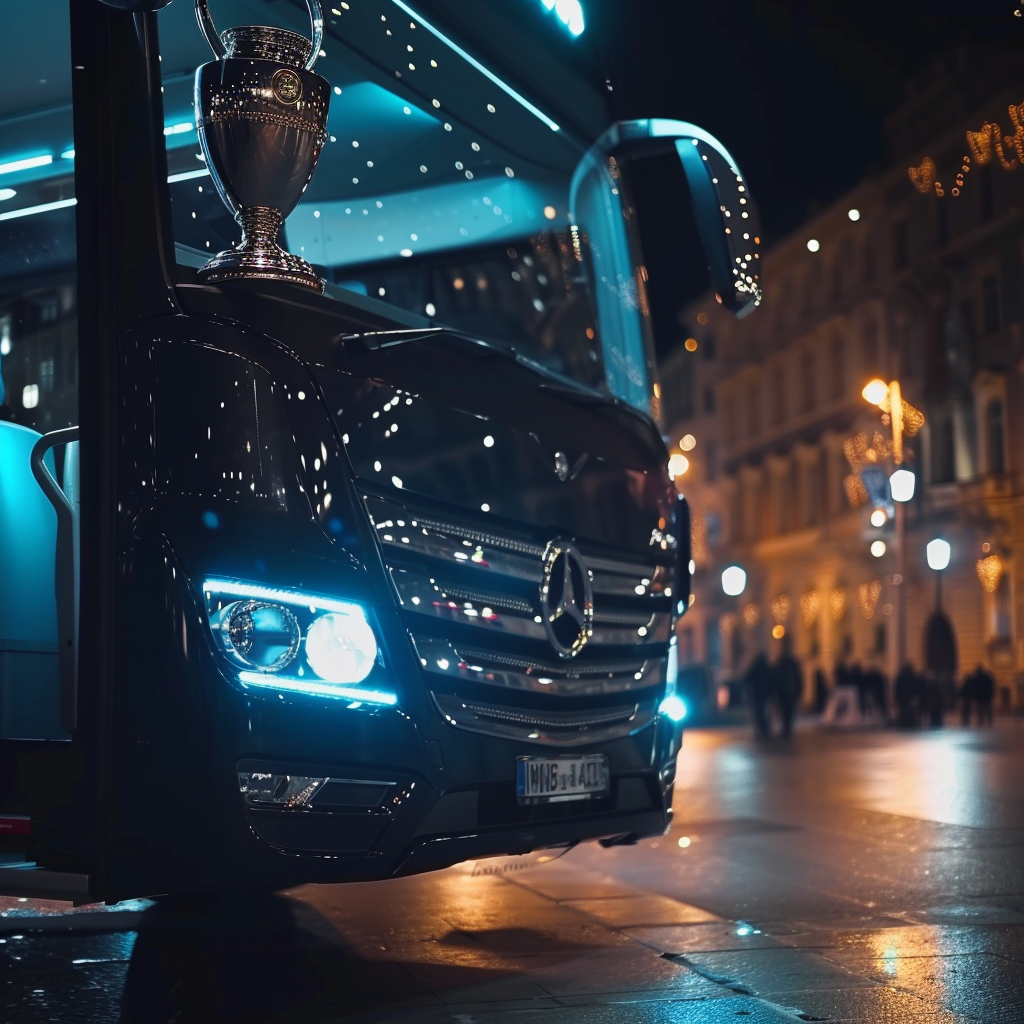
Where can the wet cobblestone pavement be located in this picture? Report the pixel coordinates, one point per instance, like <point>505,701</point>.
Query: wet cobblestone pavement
<point>873,877</point>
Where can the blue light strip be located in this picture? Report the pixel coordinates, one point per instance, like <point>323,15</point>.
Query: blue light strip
<point>187,175</point>
<point>254,592</point>
<point>25,165</point>
<point>27,211</point>
<point>293,685</point>
<point>479,67</point>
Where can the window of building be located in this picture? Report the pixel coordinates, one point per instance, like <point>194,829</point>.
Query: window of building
<point>869,260</point>
<point>901,244</point>
<point>943,463</point>
<point>967,317</point>
<point>838,368</point>
<point>782,503</point>
<point>686,652</point>
<point>736,533</point>
<point>871,355</point>
<point>711,460</point>
<point>1002,618</point>
<point>709,401</point>
<point>990,304</point>
<point>941,223</point>
<point>842,471</point>
<point>812,487</point>
<point>986,194</point>
<point>994,436</point>
<point>906,340</point>
<point>796,492</point>
<point>779,395</point>
<point>808,383</point>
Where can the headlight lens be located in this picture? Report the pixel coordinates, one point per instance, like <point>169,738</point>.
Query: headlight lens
<point>341,647</point>
<point>294,641</point>
<point>262,636</point>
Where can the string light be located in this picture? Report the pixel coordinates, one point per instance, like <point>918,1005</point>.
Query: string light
<point>751,614</point>
<point>868,595</point>
<point>984,144</point>
<point>837,603</point>
<point>810,603</point>
<point>780,608</point>
<point>989,571</point>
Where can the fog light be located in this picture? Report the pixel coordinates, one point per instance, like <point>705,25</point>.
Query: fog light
<point>285,791</point>
<point>341,647</point>
<point>673,707</point>
<point>260,635</point>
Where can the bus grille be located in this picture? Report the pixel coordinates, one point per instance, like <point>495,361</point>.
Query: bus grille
<point>469,593</point>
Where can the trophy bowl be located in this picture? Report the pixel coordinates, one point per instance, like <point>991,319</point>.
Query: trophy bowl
<point>261,116</point>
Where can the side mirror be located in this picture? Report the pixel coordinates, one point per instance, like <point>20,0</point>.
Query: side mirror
<point>726,214</point>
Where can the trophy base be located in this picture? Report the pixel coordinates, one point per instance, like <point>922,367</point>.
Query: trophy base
<point>259,257</point>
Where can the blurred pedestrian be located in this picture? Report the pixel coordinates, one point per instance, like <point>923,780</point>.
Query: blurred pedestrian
<point>984,694</point>
<point>874,690</point>
<point>908,691</point>
<point>935,699</point>
<point>820,690</point>
<point>788,688</point>
<point>759,680</point>
<point>968,693</point>
<point>859,680</point>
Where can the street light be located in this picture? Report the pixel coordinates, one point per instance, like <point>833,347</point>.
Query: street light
<point>901,485</point>
<point>734,580</point>
<point>903,418</point>
<point>938,554</point>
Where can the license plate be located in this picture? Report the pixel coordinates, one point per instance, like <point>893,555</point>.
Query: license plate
<point>548,780</point>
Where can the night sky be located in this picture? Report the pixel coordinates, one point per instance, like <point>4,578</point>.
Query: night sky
<point>796,91</point>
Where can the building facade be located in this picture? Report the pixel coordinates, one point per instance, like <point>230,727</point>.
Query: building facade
<point>915,275</point>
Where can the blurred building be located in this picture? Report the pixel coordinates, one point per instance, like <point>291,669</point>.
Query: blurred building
<point>892,281</point>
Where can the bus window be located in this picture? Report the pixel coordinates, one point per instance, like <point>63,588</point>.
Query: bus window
<point>438,192</point>
<point>38,350</point>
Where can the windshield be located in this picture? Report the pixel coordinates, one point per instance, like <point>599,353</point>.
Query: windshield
<point>441,190</point>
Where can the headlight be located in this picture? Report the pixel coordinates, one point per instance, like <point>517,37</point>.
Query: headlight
<point>672,706</point>
<point>294,641</point>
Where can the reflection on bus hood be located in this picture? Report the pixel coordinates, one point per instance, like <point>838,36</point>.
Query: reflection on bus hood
<point>468,424</point>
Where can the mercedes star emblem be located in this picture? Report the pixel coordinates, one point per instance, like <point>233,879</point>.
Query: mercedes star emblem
<point>566,598</point>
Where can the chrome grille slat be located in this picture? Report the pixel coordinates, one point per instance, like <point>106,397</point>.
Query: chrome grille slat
<point>419,596</point>
<point>487,585</point>
<point>571,670</point>
<point>551,719</point>
<point>466,665</point>
<point>492,600</point>
<point>491,720</point>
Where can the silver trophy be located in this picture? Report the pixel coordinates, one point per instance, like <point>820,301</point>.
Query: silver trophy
<point>261,114</point>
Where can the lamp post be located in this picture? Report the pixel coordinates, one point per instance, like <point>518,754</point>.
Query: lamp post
<point>904,420</point>
<point>937,552</point>
<point>734,582</point>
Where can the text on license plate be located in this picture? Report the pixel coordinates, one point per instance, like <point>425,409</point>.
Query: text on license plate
<point>552,779</point>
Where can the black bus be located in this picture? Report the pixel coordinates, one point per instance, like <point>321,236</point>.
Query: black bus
<point>302,587</point>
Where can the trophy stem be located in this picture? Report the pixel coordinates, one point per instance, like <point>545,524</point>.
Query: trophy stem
<point>260,227</point>
<point>259,255</point>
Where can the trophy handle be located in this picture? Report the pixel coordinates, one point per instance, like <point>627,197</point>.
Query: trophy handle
<point>212,36</point>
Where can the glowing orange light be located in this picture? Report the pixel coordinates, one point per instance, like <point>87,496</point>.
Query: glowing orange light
<point>875,391</point>
<point>778,632</point>
<point>690,344</point>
